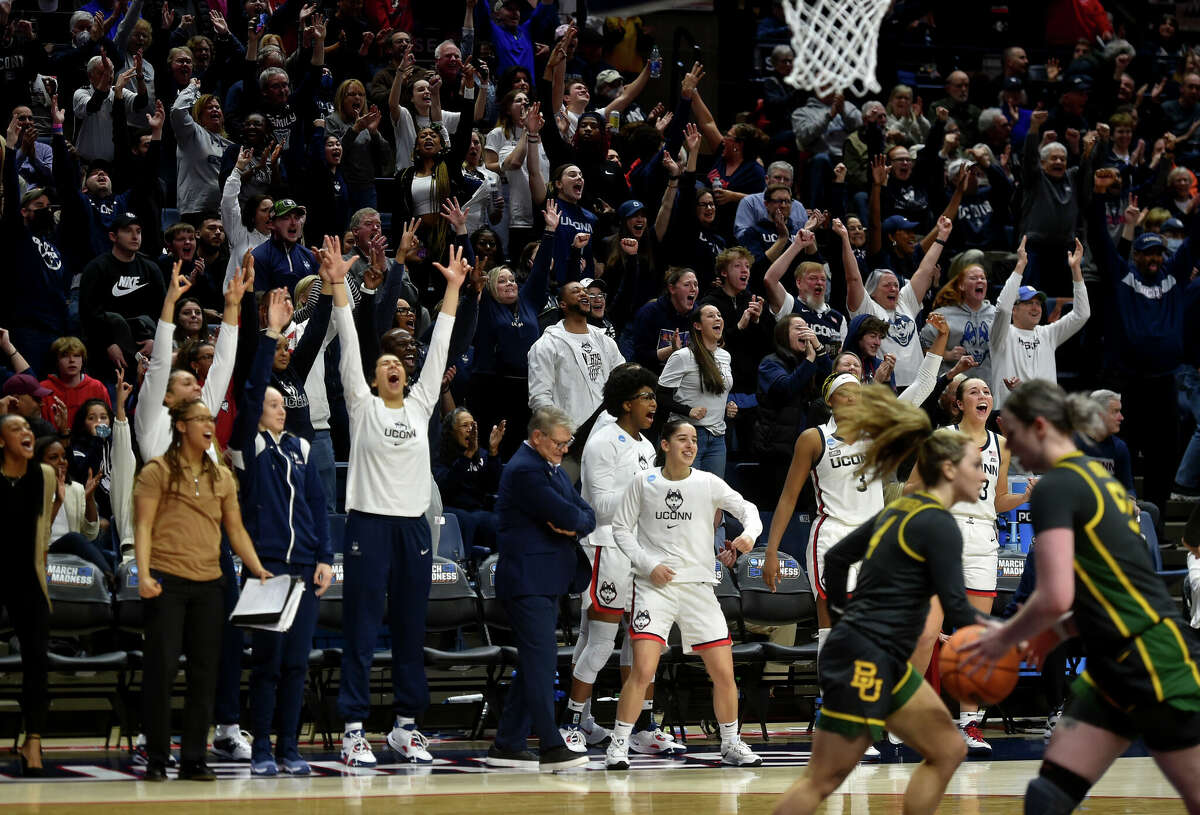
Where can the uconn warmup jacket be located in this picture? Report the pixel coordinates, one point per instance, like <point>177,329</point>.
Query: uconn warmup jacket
<point>674,523</point>
<point>611,460</point>
<point>283,502</point>
<point>390,441</point>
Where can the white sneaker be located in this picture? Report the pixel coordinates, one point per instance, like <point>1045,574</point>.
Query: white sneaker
<point>872,752</point>
<point>233,746</point>
<point>972,735</point>
<point>894,739</point>
<point>617,755</point>
<point>655,742</point>
<point>409,745</point>
<point>593,732</point>
<point>1051,723</point>
<point>574,739</point>
<point>356,750</point>
<point>738,754</point>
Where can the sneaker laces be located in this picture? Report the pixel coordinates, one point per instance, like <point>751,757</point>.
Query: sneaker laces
<point>740,747</point>
<point>973,732</point>
<point>574,736</point>
<point>358,743</point>
<point>242,735</point>
<point>418,738</point>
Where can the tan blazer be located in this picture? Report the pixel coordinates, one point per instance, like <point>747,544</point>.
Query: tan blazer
<point>49,484</point>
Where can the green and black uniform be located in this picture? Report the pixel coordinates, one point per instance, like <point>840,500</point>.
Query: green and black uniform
<point>909,552</point>
<point>1141,677</point>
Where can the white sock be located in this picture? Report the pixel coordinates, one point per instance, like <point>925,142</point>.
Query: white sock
<point>406,723</point>
<point>965,717</point>
<point>621,731</point>
<point>225,731</point>
<point>822,635</point>
<point>729,732</point>
<point>352,726</point>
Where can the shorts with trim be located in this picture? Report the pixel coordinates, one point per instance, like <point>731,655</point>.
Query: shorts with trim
<point>611,586</point>
<point>1162,726</point>
<point>861,684</point>
<point>826,533</point>
<point>981,554</point>
<point>693,606</point>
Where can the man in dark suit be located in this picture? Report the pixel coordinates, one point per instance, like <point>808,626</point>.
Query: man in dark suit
<point>541,520</point>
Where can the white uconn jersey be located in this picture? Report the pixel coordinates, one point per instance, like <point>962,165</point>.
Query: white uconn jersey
<point>985,506</point>
<point>842,494</point>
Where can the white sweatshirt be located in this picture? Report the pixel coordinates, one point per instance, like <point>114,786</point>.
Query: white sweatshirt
<point>389,470</point>
<point>241,240</point>
<point>568,370</point>
<point>611,460</point>
<point>121,479</point>
<point>152,423</point>
<point>1030,353</point>
<point>901,339</point>
<point>674,523</point>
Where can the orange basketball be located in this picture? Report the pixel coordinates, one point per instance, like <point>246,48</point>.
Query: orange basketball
<point>977,687</point>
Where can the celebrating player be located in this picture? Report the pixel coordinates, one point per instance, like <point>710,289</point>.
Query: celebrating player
<point>664,525</point>
<point>1095,580</point>
<point>909,551</point>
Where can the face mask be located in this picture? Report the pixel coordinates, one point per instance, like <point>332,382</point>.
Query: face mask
<point>326,82</point>
<point>103,431</point>
<point>82,38</point>
<point>1173,244</point>
<point>42,220</point>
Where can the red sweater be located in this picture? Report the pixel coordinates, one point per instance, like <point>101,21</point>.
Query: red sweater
<point>73,396</point>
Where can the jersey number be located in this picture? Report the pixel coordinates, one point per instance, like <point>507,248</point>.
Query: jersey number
<point>862,483</point>
<point>983,493</point>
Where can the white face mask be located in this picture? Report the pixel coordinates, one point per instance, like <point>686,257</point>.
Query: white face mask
<point>1173,244</point>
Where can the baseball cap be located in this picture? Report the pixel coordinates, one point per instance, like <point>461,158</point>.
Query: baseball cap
<point>21,384</point>
<point>124,219</point>
<point>1014,83</point>
<point>1079,82</point>
<point>1027,293</point>
<point>630,208</point>
<point>588,282</point>
<point>100,164</point>
<point>607,77</point>
<point>1149,241</point>
<point>284,206</point>
<point>894,222</point>
<point>1172,225</point>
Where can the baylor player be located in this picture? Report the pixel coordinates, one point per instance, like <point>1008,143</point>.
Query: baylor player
<point>909,551</point>
<point>1096,579</point>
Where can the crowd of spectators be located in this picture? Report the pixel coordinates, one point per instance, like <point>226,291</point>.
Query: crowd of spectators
<point>608,215</point>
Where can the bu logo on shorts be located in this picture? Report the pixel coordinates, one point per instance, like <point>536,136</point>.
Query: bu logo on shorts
<point>864,679</point>
<point>641,620</point>
<point>608,592</point>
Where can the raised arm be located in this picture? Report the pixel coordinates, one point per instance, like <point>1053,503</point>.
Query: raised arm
<point>922,279</point>
<point>630,92</point>
<point>1007,300</point>
<point>855,291</point>
<point>776,294</point>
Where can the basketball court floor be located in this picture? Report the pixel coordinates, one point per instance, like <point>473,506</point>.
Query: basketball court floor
<point>83,780</point>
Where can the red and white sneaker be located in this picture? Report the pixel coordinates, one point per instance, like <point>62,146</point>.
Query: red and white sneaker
<point>973,736</point>
<point>356,750</point>
<point>409,745</point>
<point>655,742</point>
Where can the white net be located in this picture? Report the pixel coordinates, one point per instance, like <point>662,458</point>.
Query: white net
<point>835,43</point>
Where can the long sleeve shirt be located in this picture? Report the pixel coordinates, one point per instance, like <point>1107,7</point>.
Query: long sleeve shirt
<point>612,458</point>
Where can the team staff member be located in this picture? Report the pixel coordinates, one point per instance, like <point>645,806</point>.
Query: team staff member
<point>909,551</point>
<point>181,501</point>
<point>541,517</point>
<point>1095,580</point>
<point>388,546</point>
<point>290,527</point>
<point>26,495</point>
<point>664,526</point>
<point>613,456</point>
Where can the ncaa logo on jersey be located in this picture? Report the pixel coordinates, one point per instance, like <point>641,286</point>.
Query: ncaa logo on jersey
<point>608,592</point>
<point>641,620</point>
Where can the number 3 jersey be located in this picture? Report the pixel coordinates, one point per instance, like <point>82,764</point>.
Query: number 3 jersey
<point>985,507</point>
<point>842,493</point>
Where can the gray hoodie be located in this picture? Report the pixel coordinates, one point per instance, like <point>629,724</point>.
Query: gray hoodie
<point>970,329</point>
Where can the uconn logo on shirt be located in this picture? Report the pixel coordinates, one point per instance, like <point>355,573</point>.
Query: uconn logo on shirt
<point>837,459</point>
<point>903,329</point>
<point>673,500</point>
<point>399,432</point>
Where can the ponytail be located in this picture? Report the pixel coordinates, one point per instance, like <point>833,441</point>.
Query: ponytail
<point>897,430</point>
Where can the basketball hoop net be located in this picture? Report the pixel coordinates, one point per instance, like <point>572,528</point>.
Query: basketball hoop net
<point>835,43</point>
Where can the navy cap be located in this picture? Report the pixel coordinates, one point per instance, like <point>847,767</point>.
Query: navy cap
<point>124,219</point>
<point>1014,83</point>
<point>1079,82</point>
<point>1027,293</point>
<point>1172,225</point>
<point>630,208</point>
<point>1149,241</point>
<point>894,222</point>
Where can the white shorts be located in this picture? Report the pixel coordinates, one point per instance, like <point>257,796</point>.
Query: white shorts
<point>826,532</point>
<point>981,553</point>
<point>611,588</point>
<point>693,606</point>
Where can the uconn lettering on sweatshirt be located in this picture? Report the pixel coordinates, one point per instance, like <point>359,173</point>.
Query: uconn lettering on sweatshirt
<point>399,432</point>
<point>837,460</point>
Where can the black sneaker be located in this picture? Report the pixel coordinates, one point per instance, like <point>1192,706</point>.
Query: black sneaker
<point>155,772</point>
<point>195,771</point>
<point>522,759</point>
<point>561,758</point>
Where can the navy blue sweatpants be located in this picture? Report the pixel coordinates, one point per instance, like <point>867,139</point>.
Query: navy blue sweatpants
<point>280,667</point>
<point>227,705</point>
<point>530,701</point>
<point>385,556</point>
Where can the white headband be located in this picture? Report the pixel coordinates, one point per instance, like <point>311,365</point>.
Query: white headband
<point>839,380</point>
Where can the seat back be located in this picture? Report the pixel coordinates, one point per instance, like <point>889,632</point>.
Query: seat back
<point>452,602</point>
<point>792,600</point>
<point>727,594</point>
<point>80,601</point>
<point>1009,568</point>
<point>329,609</point>
<point>450,542</point>
<point>493,613</point>
<point>129,610</point>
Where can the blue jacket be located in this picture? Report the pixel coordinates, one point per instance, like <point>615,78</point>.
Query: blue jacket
<point>534,559</point>
<point>649,323</point>
<point>573,219</point>
<point>282,498</point>
<point>503,338</point>
<point>277,264</point>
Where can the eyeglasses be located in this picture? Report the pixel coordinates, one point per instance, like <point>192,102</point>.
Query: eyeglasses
<point>598,295</point>
<point>561,446</point>
<point>706,204</point>
<point>403,310</point>
<point>646,396</point>
<point>902,161</point>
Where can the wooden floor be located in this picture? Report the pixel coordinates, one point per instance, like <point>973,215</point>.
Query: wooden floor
<point>1132,785</point>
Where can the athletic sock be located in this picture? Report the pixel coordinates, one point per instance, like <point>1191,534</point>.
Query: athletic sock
<point>621,731</point>
<point>729,732</point>
<point>574,712</point>
<point>226,731</point>
<point>645,719</point>
<point>352,726</point>
<point>406,723</point>
<point>965,717</point>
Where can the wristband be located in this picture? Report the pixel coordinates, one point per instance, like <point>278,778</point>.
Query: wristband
<point>56,128</point>
<point>939,241</point>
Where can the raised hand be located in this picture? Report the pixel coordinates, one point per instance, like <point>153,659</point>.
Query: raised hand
<point>879,171</point>
<point>408,239</point>
<point>551,215</point>
<point>1037,119</point>
<point>944,227</point>
<point>245,160</point>
<point>839,173</point>
<point>669,164</point>
<point>1132,213</point>
<point>691,80</point>
<point>661,123</point>
<point>1075,257</point>
<point>368,38</point>
<point>220,26</point>
<point>629,246</point>
<point>279,310</point>
<point>333,266</point>
<point>456,217</point>
<point>496,436</point>
<point>124,391</point>
<point>1022,256</point>
<point>839,229</point>
<point>242,282</point>
<point>156,120</point>
<point>178,283</point>
<point>691,138</point>
<point>939,322</point>
<point>456,271</point>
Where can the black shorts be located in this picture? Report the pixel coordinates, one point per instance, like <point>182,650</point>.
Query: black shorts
<point>861,684</point>
<point>1162,726</point>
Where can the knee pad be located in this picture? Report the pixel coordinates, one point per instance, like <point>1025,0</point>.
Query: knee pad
<point>1056,791</point>
<point>595,655</point>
